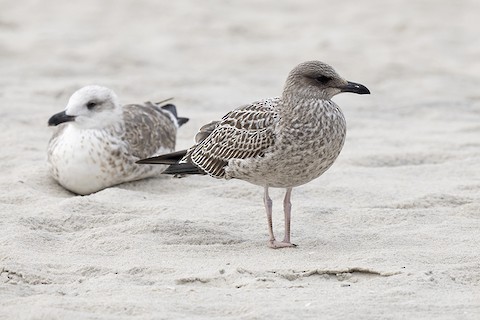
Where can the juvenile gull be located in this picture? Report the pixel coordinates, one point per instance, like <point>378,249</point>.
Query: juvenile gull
<point>98,141</point>
<point>281,142</point>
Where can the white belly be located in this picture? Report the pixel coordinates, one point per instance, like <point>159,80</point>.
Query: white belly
<point>85,161</point>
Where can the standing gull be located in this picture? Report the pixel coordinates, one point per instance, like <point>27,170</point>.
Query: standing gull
<point>281,142</point>
<point>98,141</point>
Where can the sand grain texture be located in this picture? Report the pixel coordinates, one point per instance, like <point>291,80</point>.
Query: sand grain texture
<point>391,231</point>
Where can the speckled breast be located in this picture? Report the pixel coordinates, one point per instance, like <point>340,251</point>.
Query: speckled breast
<point>304,150</point>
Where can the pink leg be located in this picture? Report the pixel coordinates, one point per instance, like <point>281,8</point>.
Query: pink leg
<point>272,243</point>
<point>287,207</point>
<point>268,208</point>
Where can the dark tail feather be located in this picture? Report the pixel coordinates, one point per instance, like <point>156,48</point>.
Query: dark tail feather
<point>183,168</point>
<point>170,108</point>
<point>181,120</point>
<point>173,110</point>
<point>172,159</point>
<point>169,158</point>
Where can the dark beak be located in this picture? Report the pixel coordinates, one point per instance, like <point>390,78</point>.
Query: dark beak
<point>60,117</point>
<point>355,88</point>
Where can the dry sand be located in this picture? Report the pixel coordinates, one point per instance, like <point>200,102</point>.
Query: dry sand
<point>391,231</point>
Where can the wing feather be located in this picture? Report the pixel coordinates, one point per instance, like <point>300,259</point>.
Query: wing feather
<point>148,129</point>
<point>243,133</point>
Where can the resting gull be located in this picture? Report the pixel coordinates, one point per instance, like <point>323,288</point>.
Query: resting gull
<point>98,141</point>
<point>281,142</point>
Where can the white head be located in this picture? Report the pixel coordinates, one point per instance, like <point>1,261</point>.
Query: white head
<point>91,107</point>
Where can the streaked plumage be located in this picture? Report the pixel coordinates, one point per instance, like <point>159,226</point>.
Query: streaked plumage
<point>98,141</point>
<point>278,142</point>
<point>243,133</point>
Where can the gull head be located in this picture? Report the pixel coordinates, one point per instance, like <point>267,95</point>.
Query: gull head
<point>318,80</point>
<point>91,107</point>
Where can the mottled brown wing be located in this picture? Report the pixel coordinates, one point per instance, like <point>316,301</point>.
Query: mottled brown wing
<point>148,129</point>
<point>243,133</point>
<point>205,131</point>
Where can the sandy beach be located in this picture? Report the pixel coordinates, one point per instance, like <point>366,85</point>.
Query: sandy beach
<point>391,231</point>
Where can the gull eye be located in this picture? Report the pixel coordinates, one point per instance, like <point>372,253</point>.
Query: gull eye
<point>323,79</point>
<point>91,105</point>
